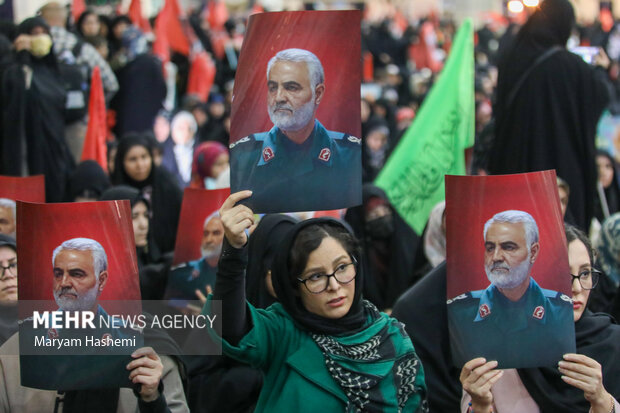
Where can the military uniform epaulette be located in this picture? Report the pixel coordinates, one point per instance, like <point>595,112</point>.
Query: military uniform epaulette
<point>555,295</point>
<point>344,138</point>
<point>247,143</point>
<point>462,298</point>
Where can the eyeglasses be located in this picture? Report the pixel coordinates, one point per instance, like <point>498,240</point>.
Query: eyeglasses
<point>11,269</point>
<point>317,283</point>
<point>587,278</point>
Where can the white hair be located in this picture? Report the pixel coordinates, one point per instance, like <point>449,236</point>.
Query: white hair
<point>315,68</point>
<point>186,116</point>
<point>100,259</point>
<point>513,216</point>
<point>208,219</point>
<point>8,203</point>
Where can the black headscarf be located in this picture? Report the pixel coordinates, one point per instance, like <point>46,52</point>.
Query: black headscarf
<point>33,119</point>
<point>88,180</point>
<point>401,246</point>
<point>598,337</point>
<point>287,289</point>
<point>159,188</point>
<point>261,250</point>
<point>612,193</point>
<point>551,121</point>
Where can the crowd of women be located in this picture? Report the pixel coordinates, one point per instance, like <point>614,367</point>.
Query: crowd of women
<point>314,309</point>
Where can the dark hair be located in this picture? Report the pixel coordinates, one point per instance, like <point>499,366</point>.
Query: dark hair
<point>574,233</point>
<point>82,18</point>
<point>309,239</point>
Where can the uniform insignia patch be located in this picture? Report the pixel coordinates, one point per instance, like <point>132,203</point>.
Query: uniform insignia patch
<point>566,298</point>
<point>232,145</point>
<point>268,154</point>
<point>539,312</point>
<point>484,311</point>
<point>325,154</point>
<point>52,333</point>
<point>354,140</point>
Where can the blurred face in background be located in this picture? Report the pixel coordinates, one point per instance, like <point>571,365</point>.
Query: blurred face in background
<point>138,163</point>
<point>91,25</point>
<point>605,171</point>
<point>140,219</point>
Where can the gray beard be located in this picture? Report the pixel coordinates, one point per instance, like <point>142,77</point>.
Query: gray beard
<point>208,253</point>
<point>294,122</point>
<point>511,279</point>
<point>81,303</point>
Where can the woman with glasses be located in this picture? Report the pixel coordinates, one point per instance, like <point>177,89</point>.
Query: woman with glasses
<point>321,347</point>
<point>588,381</point>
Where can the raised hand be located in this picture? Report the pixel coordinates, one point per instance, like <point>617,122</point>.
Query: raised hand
<point>478,377</point>
<point>236,218</point>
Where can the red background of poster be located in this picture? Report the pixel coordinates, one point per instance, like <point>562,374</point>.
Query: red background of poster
<point>197,205</point>
<point>473,200</point>
<point>333,36</point>
<point>28,188</point>
<point>43,227</point>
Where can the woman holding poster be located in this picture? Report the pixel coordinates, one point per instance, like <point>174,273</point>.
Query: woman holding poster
<point>321,346</point>
<point>587,381</point>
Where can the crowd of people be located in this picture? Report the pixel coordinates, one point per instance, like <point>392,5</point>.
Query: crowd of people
<point>312,308</point>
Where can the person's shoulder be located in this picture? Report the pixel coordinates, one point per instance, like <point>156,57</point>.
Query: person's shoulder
<point>344,139</point>
<point>555,296</point>
<point>466,299</point>
<point>248,143</point>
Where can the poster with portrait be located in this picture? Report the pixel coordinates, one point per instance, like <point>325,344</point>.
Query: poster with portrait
<point>508,286</point>
<point>76,259</point>
<point>198,244</point>
<point>12,189</point>
<point>295,126</point>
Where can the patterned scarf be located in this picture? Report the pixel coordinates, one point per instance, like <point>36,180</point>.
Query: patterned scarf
<point>361,389</point>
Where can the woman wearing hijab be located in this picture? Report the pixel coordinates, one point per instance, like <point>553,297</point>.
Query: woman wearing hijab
<point>321,347</point>
<point>211,160</point>
<point>608,199</point>
<point>389,246</point>
<point>32,131</point>
<point>134,167</point>
<point>87,182</point>
<point>548,105</point>
<point>608,259</point>
<point>588,381</point>
<point>152,270</point>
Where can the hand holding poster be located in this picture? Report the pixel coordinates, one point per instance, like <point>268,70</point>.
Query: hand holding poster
<point>508,288</point>
<point>199,243</point>
<point>302,152</point>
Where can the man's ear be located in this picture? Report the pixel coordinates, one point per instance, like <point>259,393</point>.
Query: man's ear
<point>103,277</point>
<point>319,91</point>
<point>534,249</point>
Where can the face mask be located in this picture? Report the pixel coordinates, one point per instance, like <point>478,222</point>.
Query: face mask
<point>380,228</point>
<point>40,45</point>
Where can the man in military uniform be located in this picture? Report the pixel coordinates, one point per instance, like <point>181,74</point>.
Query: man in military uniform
<point>298,165</point>
<point>513,321</point>
<point>188,277</point>
<point>80,268</point>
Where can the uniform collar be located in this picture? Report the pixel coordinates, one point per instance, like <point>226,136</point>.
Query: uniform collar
<point>531,305</point>
<point>321,150</point>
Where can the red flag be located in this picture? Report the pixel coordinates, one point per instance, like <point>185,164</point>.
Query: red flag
<point>169,32</point>
<point>95,141</point>
<point>135,14</point>
<point>77,8</point>
<point>201,76</point>
<point>217,14</point>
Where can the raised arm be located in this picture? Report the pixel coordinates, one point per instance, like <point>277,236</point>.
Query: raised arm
<point>230,281</point>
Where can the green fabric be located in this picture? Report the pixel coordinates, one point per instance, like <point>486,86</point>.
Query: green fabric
<point>296,379</point>
<point>434,144</point>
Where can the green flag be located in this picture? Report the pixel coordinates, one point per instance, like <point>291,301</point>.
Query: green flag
<point>434,144</point>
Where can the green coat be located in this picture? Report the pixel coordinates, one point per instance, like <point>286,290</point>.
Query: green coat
<point>296,378</point>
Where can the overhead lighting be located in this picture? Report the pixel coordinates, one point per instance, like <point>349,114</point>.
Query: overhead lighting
<point>515,6</point>
<point>531,3</point>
